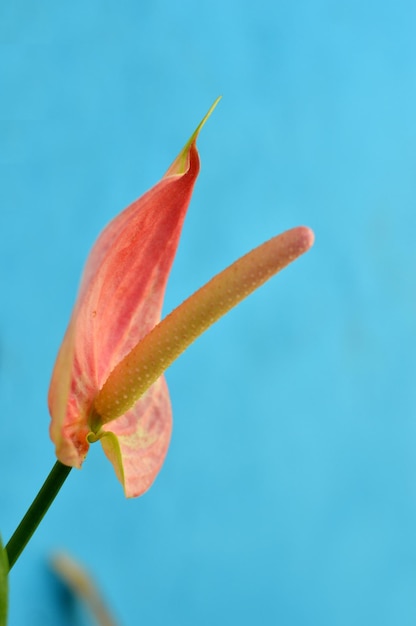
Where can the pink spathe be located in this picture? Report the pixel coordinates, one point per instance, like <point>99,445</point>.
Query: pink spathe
<point>108,382</point>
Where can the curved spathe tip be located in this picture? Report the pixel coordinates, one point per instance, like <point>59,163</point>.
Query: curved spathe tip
<point>181,163</point>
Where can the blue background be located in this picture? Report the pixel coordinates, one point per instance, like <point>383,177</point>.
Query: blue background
<point>289,493</point>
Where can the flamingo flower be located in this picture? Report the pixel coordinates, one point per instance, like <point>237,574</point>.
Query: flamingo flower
<point>108,382</point>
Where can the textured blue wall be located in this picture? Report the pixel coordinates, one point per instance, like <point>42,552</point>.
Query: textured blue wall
<point>289,492</point>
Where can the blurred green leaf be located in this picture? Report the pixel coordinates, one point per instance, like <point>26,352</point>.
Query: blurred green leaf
<point>4,571</point>
<point>79,582</point>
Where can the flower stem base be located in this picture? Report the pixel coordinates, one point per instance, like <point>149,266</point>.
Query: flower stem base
<point>36,512</point>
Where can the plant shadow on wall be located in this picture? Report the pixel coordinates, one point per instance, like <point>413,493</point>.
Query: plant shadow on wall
<point>107,384</point>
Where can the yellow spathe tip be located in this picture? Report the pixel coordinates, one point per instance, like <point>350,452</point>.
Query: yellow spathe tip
<point>202,122</point>
<point>180,164</point>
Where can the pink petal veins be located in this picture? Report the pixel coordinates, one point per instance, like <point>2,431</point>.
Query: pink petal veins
<point>120,300</point>
<point>137,443</point>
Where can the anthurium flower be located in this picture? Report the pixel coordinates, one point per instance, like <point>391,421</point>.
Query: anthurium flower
<point>108,381</point>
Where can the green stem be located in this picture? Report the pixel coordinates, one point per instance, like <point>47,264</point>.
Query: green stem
<point>36,511</point>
